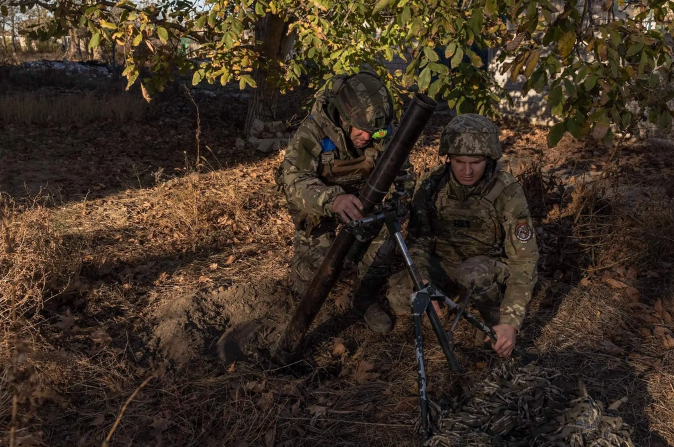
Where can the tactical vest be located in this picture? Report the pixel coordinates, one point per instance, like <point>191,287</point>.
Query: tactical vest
<point>349,173</point>
<point>468,227</point>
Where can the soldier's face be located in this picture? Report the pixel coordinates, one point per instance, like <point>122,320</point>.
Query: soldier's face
<point>359,138</point>
<point>468,170</point>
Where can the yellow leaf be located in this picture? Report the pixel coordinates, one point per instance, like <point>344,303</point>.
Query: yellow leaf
<point>566,42</point>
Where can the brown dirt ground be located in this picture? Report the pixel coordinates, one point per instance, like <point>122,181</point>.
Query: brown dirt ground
<point>133,271</point>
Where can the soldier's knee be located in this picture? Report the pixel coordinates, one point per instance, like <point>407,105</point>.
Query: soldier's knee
<point>398,294</point>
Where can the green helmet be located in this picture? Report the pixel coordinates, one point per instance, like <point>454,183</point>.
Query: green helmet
<point>363,101</point>
<point>472,135</point>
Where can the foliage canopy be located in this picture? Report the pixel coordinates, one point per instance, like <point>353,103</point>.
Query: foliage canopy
<point>602,62</point>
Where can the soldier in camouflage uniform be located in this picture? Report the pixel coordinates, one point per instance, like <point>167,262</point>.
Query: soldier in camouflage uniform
<point>327,161</point>
<point>471,227</point>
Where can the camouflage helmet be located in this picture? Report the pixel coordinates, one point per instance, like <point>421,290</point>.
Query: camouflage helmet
<point>472,135</point>
<point>363,101</point>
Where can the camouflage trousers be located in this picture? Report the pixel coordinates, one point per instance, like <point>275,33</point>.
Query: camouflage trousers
<point>485,274</point>
<point>373,269</point>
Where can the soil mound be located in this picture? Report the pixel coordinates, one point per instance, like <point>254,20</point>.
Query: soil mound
<point>189,325</point>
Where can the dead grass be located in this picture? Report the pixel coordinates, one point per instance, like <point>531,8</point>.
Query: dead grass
<point>35,108</point>
<point>92,274</point>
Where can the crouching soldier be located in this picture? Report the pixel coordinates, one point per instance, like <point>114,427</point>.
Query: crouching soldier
<point>471,228</point>
<point>328,160</point>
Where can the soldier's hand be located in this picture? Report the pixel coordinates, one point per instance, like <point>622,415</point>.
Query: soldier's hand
<point>506,339</point>
<point>348,207</point>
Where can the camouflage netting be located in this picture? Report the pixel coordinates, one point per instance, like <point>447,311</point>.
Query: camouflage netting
<point>522,406</point>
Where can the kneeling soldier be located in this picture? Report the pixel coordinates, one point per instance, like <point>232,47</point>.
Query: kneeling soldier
<point>471,227</point>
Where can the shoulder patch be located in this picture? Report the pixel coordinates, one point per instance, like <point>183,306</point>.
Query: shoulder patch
<point>524,232</point>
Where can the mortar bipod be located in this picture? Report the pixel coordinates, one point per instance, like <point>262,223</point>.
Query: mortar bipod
<point>421,302</point>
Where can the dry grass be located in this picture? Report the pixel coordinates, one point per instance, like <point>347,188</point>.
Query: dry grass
<point>35,108</point>
<point>105,267</point>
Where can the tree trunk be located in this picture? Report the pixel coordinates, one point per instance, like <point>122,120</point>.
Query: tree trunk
<point>13,31</point>
<point>271,30</point>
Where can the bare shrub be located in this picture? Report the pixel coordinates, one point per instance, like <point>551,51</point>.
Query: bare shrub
<point>34,108</point>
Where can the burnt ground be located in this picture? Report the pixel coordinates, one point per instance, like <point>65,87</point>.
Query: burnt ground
<point>135,272</point>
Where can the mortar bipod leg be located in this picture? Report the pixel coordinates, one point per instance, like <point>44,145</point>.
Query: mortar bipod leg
<point>419,304</point>
<point>443,339</point>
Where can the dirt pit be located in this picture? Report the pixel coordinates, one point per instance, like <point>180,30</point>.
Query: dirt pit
<point>223,322</point>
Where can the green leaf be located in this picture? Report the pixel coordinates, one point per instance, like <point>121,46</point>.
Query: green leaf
<point>434,88</point>
<point>108,25</point>
<point>4,10</point>
<point>634,49</point>
<point>137,40</point>
<point>162,33</point>
<point>474,59</point>
<point>381,4</point>
<point>95,41</point>
<point>590,81</point>
<point>196,78</point>
<point>424,79</point>
<point>556,133</point>
<point>201,21</point>
<point>532,62</point>
<point>476,20</point>
<point>570,88</point>
<point>457,58</point>
<point>211,19</point>
<point>566,42</point>
<point>259,9</point>
<point>555,96</point>
<point>490,7</point>
<point>574,128</point>
<point>449,51</point>
<point>430,54</point>
<point>615,38</point>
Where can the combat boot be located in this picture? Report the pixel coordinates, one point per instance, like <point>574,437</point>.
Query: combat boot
<point>365,305</point>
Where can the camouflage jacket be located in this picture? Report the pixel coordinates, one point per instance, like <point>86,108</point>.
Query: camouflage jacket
<point>455,223</point>
<point>319,165</point>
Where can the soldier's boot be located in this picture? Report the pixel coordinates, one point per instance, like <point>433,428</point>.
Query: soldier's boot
<point>364,304</point>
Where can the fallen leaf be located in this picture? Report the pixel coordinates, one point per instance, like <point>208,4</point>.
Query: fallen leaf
<point>645,332</point>
<point>408,403</point>
<point>585,282</point>
<point>318,410</point>
<point>363,373</point>
<point>614,283</point>
<point>98,420</point>
<point>160,424</point>
<point>364,407</point>
<point>632,293</point>
<point>213,266</point>
<point>231,368</point>
<point>661,331</point>
<point>204,279</point>
<point>609,347</point>
<point>338,349</point>
<point>658,306</point>
<point>229,260</point>
<point>65,322</point>
<point>481,365</point>
<point>632,273</point>
<point>100,337</point>
<point>342,302</point>
<point>667,316</point>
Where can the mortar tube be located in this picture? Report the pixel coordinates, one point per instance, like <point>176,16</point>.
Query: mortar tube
<point>414,120</point>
